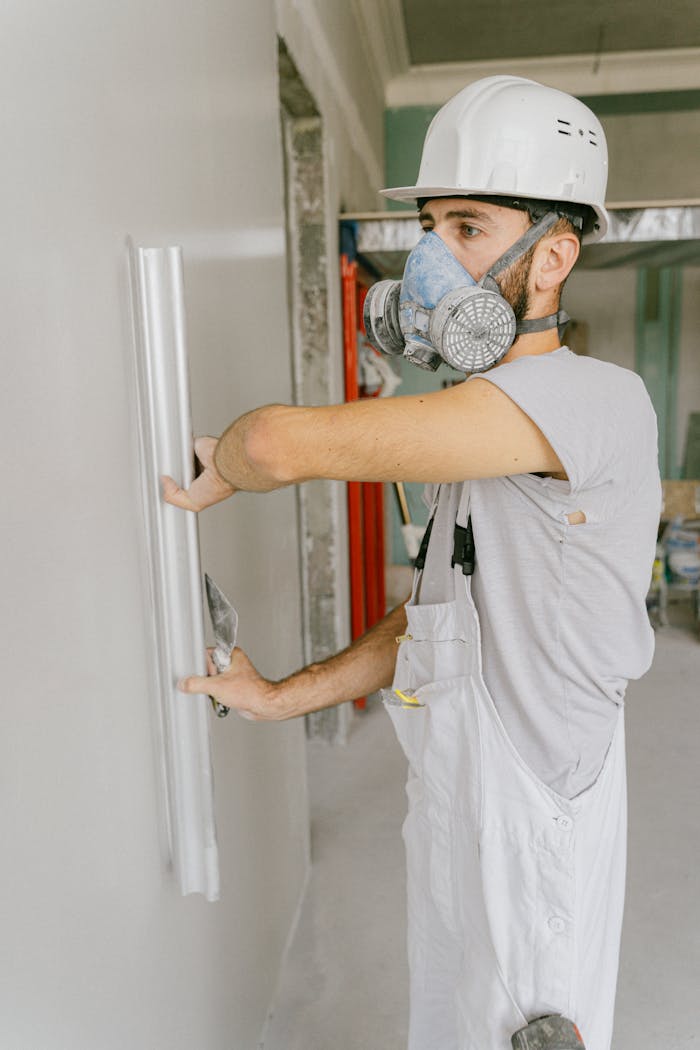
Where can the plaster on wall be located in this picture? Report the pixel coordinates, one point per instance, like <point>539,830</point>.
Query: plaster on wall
<point>160,120</point>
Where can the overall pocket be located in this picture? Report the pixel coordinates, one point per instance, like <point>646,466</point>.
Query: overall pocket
<point>435,647</point>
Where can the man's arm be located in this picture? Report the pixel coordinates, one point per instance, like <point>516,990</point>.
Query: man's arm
<point>472,430</point>
<point>362,668</point>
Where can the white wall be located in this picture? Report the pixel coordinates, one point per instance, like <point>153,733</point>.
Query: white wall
<point>324,40</point>
<point>160,120</point>
<point>606,301</point>
<point>653,156</point>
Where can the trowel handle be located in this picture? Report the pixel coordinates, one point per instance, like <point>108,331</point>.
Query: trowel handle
<point>222,663</point>
<point>221,709</point>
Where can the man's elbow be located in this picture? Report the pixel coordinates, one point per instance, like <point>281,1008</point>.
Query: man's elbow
<point>268,448</point>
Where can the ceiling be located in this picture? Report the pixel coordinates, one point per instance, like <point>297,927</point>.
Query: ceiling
<point>630,56</point>
<point>420,52</point>
<point>479,30</point>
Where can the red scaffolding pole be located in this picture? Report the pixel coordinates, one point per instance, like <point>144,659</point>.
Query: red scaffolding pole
<point>365,499</point>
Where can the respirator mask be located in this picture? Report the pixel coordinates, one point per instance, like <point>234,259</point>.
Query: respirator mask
<point>438,312</point>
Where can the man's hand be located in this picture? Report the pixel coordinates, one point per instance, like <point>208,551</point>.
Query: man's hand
<point>361,669</point>
<point>240,687</point>
<point>205,490</point>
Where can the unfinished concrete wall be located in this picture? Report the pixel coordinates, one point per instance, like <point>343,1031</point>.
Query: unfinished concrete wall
<point>333,97</point>
<point>325,41</point>
<point>321,512</point>
<point>159,120</point>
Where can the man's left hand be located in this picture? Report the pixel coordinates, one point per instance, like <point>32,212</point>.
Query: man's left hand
<point>206,489</point>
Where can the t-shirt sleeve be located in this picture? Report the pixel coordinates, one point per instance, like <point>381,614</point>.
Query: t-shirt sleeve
<point>428,495</point>
<point>590,411</point>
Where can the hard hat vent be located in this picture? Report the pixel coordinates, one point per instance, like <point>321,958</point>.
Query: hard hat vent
<point>565,127</point>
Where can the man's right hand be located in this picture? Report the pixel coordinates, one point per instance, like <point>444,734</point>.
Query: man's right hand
<point>364,667</point>
<point>240,687</point>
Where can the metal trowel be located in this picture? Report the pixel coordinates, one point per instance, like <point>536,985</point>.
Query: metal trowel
<point>224,620</point>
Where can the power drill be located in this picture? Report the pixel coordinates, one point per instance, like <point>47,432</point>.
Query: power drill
<point>548,1033</point>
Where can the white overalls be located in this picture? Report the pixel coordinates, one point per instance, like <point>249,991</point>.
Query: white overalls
<point>515,894</point>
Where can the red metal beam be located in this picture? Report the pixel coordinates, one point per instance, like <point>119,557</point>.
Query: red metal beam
<point>355,530</point>
<point>365,500</point>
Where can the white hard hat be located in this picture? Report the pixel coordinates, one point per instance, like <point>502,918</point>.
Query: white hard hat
<point>509,137</point>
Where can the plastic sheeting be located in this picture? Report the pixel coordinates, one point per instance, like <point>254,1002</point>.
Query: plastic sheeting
<point>653,224</point>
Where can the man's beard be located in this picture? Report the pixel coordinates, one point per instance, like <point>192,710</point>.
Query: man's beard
<point>514,285</point>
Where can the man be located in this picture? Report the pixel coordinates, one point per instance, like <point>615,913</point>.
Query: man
<point>528,615</point>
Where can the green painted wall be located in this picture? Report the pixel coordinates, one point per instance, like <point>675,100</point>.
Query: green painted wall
<point>404,131</point>
<point>657,359</point>
<point>643,102</point>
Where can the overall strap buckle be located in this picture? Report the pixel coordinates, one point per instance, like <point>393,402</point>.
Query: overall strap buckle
<point>464,552</point>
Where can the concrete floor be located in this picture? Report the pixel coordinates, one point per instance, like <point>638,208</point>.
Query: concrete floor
<point>344,983</point>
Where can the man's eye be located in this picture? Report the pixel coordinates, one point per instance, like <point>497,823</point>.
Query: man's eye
<point>426,229</point>
<point>470,231</point>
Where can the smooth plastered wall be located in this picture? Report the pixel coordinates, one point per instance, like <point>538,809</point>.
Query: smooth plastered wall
<point>160,121</point>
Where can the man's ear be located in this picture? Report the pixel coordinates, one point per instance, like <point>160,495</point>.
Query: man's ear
<point>554,260</point>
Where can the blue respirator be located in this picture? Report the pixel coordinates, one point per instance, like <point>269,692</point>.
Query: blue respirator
<point>438,312</point>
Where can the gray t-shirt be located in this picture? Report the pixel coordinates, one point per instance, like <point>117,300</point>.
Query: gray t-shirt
<point>562,607</point>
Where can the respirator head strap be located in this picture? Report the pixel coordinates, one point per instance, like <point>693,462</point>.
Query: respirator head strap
<point>522,245</point>
<point>542,324</point>
<point>581,216</point>
<point>515,252</point>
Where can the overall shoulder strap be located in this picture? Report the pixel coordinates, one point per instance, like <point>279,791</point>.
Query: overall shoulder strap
<point>419,563</point>
<point>464,552</point>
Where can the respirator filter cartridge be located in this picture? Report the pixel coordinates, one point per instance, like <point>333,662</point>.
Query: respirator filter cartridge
<point>381,317</point>
<point>472,328</point>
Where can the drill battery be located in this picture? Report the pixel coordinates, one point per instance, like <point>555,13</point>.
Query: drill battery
<point>548,1033</point>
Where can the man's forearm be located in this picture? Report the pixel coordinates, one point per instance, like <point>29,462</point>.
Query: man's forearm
<point>364,667</point>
